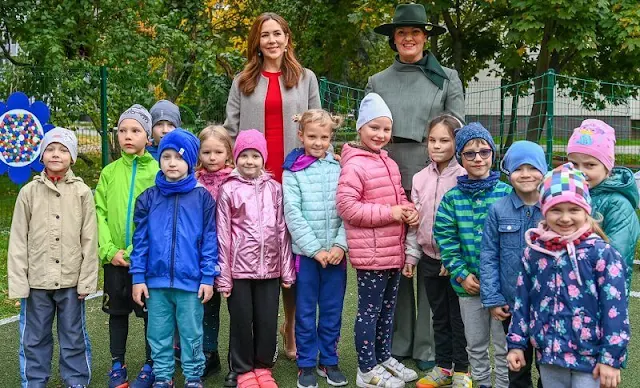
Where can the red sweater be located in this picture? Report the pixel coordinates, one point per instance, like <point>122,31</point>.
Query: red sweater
<point>274,126</point>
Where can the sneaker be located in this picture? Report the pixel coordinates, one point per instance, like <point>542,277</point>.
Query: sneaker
<point>77,386</point>
<point>211,364</point>
<point>265,378</point>
<point>398,369</point>
<point>248,380</point>
<point>462,380</point>
<point>163,384</point>
<point>118,376</point>
<point>145,378</point>
<point>194,384</point>
<point>333,374</point>
<point>306,378</point>
<point>378,377</point>
<point>425,365</point>
<point>231,380</point>
<point>438,377</point>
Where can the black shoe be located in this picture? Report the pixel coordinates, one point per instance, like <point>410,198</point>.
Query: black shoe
<point>306,378</point>
<point>211,364</point>
<point>231,380</point>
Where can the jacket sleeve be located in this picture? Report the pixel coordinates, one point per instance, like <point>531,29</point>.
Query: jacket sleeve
<point>490,291</point>
<point>369,88</point>
<point>518,335</point>
<point>614,307</point>
<point>352,209</point>
<point>140,253</point>
<point>232,122</point>
<point>301,232</point>
<point>413,250</point>
<point>224,282</point>
<point>88,279</point>
<point>107,249</point>
<point>209,251</point>
<point>314,93</point>
<point>341,238</point>
<point>18,259</point>
<point>445,232</point>
<point>288,274</point>
<point>455,96</point>
<point>621,223</point>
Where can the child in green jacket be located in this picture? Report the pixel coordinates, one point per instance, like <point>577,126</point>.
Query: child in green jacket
<point>120,184</point>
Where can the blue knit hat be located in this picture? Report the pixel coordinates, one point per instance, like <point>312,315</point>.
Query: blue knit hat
<point>524,152</point>
<point>184,142</point>
<point>473,131</point>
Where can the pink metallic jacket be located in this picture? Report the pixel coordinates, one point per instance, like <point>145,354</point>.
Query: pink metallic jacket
<point>253,241</point>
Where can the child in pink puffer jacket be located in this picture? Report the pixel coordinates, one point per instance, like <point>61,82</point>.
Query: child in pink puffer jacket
<point>374,207</point>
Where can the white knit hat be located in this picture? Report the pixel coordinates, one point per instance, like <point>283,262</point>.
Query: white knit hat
<point>63,136</point>
<point>372,107</point>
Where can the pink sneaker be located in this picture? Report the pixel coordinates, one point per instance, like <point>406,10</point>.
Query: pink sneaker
<point>265,378</point>
<point>248,380</point>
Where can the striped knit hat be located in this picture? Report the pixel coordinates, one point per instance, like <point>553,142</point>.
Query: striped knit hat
<point>564,184</point>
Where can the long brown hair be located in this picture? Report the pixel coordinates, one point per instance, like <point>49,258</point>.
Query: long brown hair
<point>291,68</point>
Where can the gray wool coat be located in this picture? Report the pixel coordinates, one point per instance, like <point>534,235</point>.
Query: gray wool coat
<point>247,112</point>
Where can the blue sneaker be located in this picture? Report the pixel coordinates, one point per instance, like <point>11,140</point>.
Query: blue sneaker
<point>77,386</point>
<point>163,384</point>
<point>118,376</point>
<point>145,378</point>
<point>194,384</point>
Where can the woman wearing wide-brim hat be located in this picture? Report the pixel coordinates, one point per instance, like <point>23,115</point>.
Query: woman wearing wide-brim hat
<point>417,88</point>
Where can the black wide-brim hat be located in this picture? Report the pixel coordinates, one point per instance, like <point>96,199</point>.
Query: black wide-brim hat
<point>410,15</point>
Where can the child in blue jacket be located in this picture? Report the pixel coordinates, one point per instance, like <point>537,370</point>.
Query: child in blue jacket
<point>310,181</point>
<point>503,239</point>
<point>571,301</point>
<point>174,258</point>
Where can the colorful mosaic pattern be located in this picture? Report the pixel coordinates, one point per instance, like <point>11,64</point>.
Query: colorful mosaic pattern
<point>20,136</point>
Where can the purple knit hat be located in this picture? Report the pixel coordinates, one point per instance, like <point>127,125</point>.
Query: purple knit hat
<point>564,184</point>
<point>594,138</point>
<point>250,139</point>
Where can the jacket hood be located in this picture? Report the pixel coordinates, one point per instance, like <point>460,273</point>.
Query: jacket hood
<point>69,177</point>
<point>352,150</point>
<point>621,181</point>
<point>297,160</point>
<point>144,159</point>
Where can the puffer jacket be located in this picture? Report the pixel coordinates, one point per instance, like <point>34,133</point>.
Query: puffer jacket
<point>181,254</point>
<point>121,181</point>
<point>429,186</point>
<point>310,205</point>
<point>615,200</point>
<point>54,237</point>
<point>212,180</point>
<point>253,242</point>
<point>369,186</point>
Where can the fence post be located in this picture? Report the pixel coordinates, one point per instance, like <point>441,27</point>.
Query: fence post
<point>103,116</point>
<point>502,140</point>
<point>323,91</point>
<point>551,83</point>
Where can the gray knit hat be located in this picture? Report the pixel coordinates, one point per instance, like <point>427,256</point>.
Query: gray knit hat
<point>167,111</point>
<point>63,136</point>
<point>140,114</point>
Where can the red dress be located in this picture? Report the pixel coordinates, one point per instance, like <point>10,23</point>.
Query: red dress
<point>274,126</point>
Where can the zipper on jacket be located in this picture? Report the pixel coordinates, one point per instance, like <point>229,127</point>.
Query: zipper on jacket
<point>173,240</point>
<point>261,232</point>
<point>132,186</point>
<point>326,210</point>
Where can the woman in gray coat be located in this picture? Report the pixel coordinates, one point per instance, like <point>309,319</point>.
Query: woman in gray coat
<point>416,88</point>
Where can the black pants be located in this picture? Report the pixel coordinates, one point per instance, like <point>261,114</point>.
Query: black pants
<point>448,329</point>
<point>118,332</point>
<point>522,378</point>
<point>253,314</point>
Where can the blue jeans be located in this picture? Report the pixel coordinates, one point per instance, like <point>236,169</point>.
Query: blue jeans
<point>323,289</point>
<point>168,307</point>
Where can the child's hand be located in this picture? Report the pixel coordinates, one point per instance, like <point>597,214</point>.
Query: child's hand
<point>396,212</point>
<point>411,217</point>
<point>443,271</point>
<point>137,291</point>
<point>205,292</point>
<point>336,254</point>
<point>226,295</point>
<point>322,257</point>
<point>471,285</point>
<point>285,285</point>
<point>516,360</point>
<point>408,270</point>
<point>118,260</point>
<point>500,313</point>
<point>82,296</point>
<point>609,376</point>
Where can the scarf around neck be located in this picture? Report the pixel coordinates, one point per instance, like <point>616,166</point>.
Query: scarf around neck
<point>182,186</point>
<point>472,186</point>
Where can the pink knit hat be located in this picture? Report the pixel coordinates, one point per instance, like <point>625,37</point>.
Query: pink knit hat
<point>594,138</point>
<point>250,139</point>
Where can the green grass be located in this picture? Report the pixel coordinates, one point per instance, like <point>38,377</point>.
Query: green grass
<point>285,371</point>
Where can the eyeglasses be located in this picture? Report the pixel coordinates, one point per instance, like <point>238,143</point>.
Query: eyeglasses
<point>471,155</point>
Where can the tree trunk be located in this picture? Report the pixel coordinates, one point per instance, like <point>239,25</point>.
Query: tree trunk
<point>513,122</point>
<point>539,107</point>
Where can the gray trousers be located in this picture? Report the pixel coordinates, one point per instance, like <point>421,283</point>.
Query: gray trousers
<point>36,339</point>
<point>481,330</point>
<point>412,330</point>
<point>554,376</point>
<point>411,159</point>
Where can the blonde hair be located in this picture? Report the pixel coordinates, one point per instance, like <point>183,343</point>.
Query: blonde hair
<point>318,116</point>
<point>219,133</point>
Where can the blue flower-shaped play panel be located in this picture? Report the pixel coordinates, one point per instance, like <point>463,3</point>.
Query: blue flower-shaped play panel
<point>22,127</point>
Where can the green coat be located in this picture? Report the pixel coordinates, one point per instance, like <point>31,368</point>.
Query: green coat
<point>118,188</point>
<point>615,200</point>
